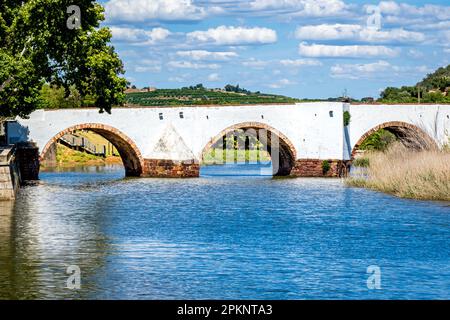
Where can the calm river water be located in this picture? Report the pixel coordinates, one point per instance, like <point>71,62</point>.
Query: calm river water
<point>219,237</point>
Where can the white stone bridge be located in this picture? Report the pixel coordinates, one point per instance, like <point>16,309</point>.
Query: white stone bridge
<point>170,141</point>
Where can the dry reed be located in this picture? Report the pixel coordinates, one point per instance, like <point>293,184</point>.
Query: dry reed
<point>407,173</point>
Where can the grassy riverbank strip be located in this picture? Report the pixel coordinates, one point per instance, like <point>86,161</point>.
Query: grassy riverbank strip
<point>67,157</point>
<point>220,156</point>
<point>422,175</point>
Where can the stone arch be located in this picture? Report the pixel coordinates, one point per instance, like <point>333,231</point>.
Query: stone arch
<point>287,152</point>
<point>129,152</point>
<point>410,135</point>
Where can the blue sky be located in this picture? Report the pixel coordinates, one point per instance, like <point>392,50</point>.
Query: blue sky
<point>299,48</point>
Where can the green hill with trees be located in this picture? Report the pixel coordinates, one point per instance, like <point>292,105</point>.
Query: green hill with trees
<point>199,95</point>
<point>434,88</point>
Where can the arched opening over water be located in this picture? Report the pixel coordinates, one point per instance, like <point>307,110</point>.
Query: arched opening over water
<point>411,136</point>
<point>129,153</point>
<point>251,143</point>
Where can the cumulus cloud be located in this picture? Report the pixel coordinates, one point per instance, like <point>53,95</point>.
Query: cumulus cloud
<point>356,71</point>
<point>310,8</point>
<point>191,65</point>
<point>207,55</point>
<point>327,32</point>
<point>281,83</point>
<point>229,35</point>
<point>214,77</point>
<point>374,70</point>
<point>356,32</point>
<point>300,62</point>
<point>354,51</point>
<point>392,8</point>
<point>139,36</point>
<point>161,10</point>
<point>255,63</point>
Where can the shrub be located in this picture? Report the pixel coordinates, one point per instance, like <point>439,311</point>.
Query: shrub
<point>347,118</point>
<point>326,166</point>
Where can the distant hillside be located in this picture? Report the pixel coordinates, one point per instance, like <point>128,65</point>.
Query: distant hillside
<point>438,80</point>
<point>434,88</point>
<point>199,95</point>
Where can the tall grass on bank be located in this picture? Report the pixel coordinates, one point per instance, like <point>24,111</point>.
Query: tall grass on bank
<point>407,173</point>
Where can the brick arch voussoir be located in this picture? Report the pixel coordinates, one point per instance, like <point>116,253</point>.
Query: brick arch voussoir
<point>398,124</point>
<point>100,128</point>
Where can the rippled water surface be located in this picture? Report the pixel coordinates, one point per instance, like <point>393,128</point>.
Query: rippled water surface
<point>219,237</point>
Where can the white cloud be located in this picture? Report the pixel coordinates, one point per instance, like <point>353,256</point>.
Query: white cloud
<point>377,69</point>
<point>139,36</point>
<point>214,77</point>
<point>416,54</point>
<point>191,65</point>
<point>311,8</point>
<point>163,10</point>
<point>199,55</point>
<point>300,62</point>
<point>354,51</point>
<point>281,83</point>
<point>393,8</point>
<point>147,65</point>
<point>229,35</point>
<point>356,71</point>
<point>328,32</point>
<point>356,32</point>
<point>394,35</point>
<point>255,63</point>
<point>180,78</point>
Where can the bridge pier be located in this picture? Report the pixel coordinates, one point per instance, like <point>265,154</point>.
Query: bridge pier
<point>27,155</point>
<point>320,168</point>
<point>155,168</point>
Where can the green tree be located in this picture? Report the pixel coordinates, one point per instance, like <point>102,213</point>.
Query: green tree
<point>42,41</point>
<point>379,140</point>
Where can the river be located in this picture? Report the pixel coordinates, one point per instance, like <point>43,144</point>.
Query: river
<point>226,235</point>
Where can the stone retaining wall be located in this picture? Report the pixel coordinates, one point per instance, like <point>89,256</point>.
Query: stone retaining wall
<point>9,174</point>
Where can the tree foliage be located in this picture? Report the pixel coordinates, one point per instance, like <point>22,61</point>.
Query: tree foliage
<point>432,89</point>
<point>37,47</point>
<point>380,140</point>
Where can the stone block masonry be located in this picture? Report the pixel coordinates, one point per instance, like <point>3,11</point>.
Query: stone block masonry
<point>315,168</point>
<point>170,169</point>
<point>9,174</point>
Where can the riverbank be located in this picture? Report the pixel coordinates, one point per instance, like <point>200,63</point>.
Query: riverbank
<point>66,157</point>
<point>405,173</point>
